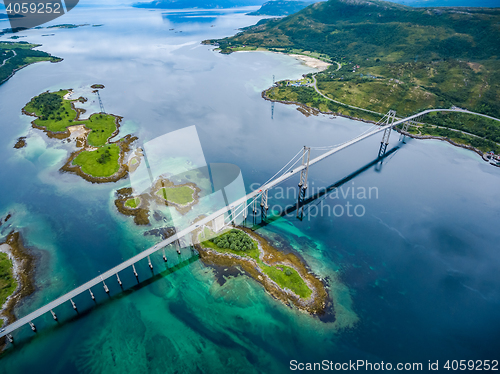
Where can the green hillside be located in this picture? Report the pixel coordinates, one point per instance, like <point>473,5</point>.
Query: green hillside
<point>393,57</point>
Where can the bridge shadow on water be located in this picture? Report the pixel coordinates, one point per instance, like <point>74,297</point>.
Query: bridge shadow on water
<point>307,202</point>
<point>48,328</point>
<point>123,292</point>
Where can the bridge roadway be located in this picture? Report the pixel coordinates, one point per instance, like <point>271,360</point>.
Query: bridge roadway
<point>124,265</point>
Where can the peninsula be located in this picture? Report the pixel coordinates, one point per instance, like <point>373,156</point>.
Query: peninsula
<point>390,56</point>
<point>15,56</point>
<point>98,159</point>
<point>284,276</point>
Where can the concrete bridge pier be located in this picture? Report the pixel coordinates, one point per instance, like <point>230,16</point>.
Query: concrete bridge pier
<point>135,272</point>
<point>177,247</point>
<point>164,257</point>
<point>149,263</point>
<point>73,304</point>
<point>10,338</point>
<point>118,279</point>
<point>245,210</point>
<point>53,315</point>
<point>91,294</point>
<point>33,327</point>
<point>106,289</point>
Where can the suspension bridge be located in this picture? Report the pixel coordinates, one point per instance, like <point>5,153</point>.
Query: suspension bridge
<point>225,216</point>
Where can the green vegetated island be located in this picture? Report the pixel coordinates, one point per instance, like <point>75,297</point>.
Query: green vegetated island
<point>163,193</point>
<point>284,276</point>
<point>388,56</point>
<point>98,159</point>
<point>15,56</point>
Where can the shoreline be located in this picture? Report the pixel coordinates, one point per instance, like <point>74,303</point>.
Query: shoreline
<point>81,139</point>
<point>24,264</point>
<point>140,214</point>
<point>307,111</point>
<point>31,63</point>
<point>317,304</point>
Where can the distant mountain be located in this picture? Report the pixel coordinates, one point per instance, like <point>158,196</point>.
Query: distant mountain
<point>186,4</point>
<point>390,31</point>
<point>280,8</point>
<point>449,3</point>
<point>391,56</point>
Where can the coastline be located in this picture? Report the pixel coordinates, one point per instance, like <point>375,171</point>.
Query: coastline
<point>307,111</point>
<point>31,63</point>
<point>24,263</point>
<point>316,304</point>
<point>81,138</point>
<point>140,213</point>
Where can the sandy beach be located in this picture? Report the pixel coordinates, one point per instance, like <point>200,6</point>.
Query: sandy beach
<point>312,62</point>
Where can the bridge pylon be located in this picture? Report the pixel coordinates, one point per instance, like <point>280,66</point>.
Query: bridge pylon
<point>100,102</point>
<point>306,156</point>
<point>263,203</point>
<point>391,117</point>
<point>404,129</point>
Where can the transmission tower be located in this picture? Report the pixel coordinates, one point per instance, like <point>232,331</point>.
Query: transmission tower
<point>100,102</point>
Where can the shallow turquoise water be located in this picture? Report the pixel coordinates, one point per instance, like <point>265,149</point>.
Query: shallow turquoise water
<point>416,275</point>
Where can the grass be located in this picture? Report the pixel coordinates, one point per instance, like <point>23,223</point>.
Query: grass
<point>252,253</point>
<point>102,126</point>
<point>8,283</point>
<point>31,60</point>
<point>309,97</point>
<point>56,114</point>
<point>284,276</point>
<point>133,203</point>
<point>57,120</point>
<point>89,164</point>
<point>293,281</point>
<point>403,58</point>
<point>179,195</point>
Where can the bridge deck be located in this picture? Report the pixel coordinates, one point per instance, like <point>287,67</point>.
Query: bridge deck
<point>98,280</point>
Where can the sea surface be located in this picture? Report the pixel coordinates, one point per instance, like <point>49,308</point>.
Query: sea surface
<point>409,247</point>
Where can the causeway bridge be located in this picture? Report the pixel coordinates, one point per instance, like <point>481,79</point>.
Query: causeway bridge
<point>219,219</point>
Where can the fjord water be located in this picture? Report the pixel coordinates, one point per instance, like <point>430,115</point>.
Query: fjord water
<point>415,278</point>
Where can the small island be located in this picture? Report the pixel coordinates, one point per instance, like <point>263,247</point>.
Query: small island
<point>99,160</point>
<point>163,192</point>
<point>21,142</point>
<point>284,276</point>
<point>181,196</point>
